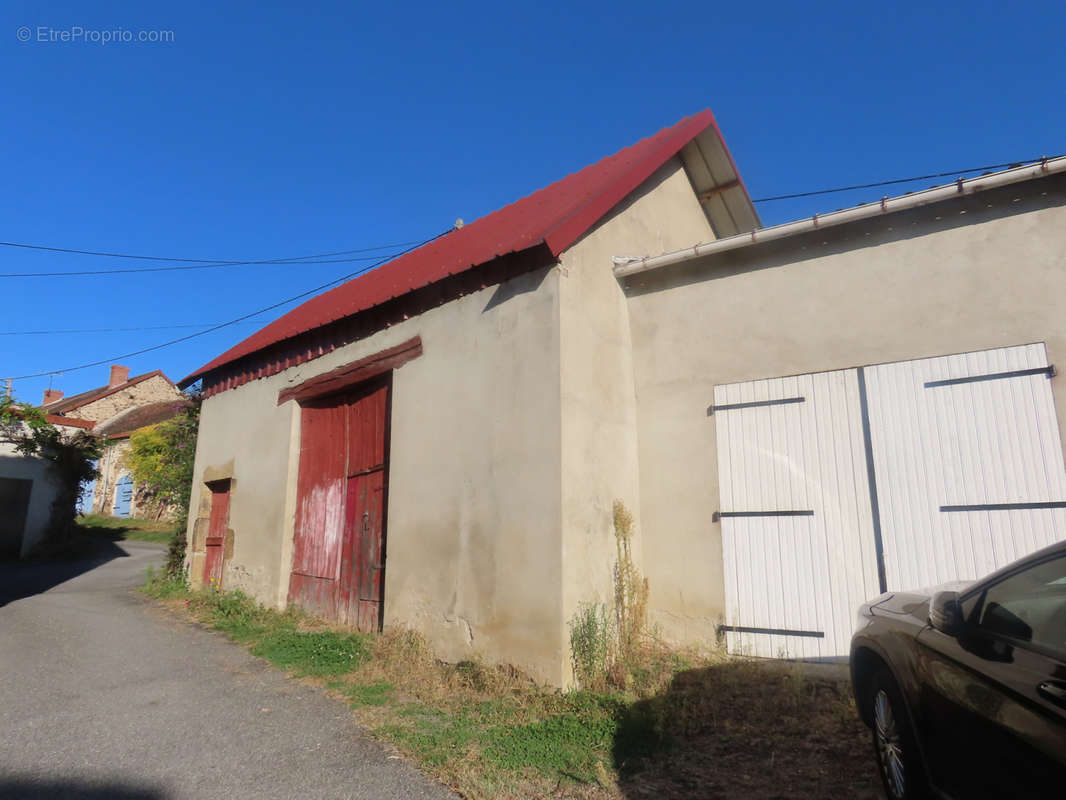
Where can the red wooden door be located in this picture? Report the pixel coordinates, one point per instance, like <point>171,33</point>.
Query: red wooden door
<point>339,551</point>
<point>365,523</point>
<point>214,546</point>
<point>320,488</point>
<point>364,564</point>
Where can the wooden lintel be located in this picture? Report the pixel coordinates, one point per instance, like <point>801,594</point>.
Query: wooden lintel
<point>717,190</point>
<point>353,373</point>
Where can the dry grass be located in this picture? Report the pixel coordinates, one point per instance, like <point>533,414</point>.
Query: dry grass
<point>704,725</point>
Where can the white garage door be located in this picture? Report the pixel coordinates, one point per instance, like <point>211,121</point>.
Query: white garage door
<point>839,485</point>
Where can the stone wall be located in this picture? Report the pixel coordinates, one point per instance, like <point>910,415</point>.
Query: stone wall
<point>152,390</point>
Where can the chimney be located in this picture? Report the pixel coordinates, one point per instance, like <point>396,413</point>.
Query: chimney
<point>51,396</point>
<point>119,375</point>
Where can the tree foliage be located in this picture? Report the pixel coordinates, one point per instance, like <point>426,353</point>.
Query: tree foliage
<point>72,457</point>
<point>160,461</point>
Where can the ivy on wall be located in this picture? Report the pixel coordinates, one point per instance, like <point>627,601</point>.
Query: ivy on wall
<point>72,458</point>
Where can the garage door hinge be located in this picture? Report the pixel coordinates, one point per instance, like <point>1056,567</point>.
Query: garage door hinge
<point>995,376</point>
<point>717,515</point>
<point>784,401</point>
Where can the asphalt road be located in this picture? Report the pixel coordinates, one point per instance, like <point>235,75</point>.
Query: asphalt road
<point>103,695</point>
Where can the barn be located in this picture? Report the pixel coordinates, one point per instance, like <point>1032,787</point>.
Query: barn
<point>798,417</point>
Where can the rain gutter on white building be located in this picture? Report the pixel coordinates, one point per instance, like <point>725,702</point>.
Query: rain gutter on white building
<point>625,266</point>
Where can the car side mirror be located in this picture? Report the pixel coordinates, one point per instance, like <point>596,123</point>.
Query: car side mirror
<point>945,613</point>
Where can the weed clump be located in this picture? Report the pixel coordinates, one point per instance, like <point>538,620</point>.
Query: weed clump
<point>613,648</point>
<point>371,694</point>
<point>236,614</point>
<point>590,645</point>
<point>313,653</point>
<point>564,743</point>
<point>630,596</point>
<point>164,585</point>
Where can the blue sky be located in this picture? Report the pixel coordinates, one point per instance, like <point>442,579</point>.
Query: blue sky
<point>264,131</point>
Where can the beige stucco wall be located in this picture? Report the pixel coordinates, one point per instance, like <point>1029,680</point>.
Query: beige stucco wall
<point>246,436</point>
<point>983,272</point>
<point>152,390</point>
<point>473,528</point>
<point>511,437</point>
<point>598,403</point>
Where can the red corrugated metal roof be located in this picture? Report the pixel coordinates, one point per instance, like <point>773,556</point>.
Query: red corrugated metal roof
<point>556,216</point>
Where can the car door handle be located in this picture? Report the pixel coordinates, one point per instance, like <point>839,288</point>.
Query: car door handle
<point>1053,691</point>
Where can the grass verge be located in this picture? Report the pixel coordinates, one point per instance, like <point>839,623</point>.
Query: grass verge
<point>119,528</point>
<point>712,727</point>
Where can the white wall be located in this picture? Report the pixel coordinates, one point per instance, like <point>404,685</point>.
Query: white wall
<point>973,274</point>
<point>42,495</point>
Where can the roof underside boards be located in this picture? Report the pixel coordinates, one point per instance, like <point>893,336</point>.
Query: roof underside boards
<point>554,217</point>
<point>69,422</point>
<point>718,185</point>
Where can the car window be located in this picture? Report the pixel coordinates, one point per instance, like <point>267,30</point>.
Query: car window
<point>1029,606</point>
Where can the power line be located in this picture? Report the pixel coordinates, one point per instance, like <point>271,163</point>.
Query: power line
<point>209,265</point>
<point>193,260</point>
<point>106,330</point>
<point>241,318</point>
<point>897,180</point>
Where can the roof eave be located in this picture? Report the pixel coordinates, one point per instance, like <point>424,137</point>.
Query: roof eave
<point>654,152</point>
<point>626,266</point>
<point>537,251</point>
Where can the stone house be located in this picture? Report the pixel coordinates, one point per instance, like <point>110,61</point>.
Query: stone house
<point>797,417</point>
<point>116,410</point>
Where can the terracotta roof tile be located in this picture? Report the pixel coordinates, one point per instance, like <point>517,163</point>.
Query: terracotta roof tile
<point>132,419</point>
<point>78,400</point>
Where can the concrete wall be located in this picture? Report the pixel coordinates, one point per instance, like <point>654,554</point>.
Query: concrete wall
<point>473,528</point>
<point>598,403</point>
<point>152,390</point>
<point>982,272</point>
<point>42,495</point>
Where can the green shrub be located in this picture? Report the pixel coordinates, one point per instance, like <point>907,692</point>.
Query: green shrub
<point>161,463</point>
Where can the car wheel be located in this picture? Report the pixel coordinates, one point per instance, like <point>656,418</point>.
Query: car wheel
<point>894,744</point>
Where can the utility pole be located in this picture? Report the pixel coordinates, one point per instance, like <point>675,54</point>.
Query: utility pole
<point>8,381</point>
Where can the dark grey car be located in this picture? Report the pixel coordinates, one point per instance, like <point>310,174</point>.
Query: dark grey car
<point>964,688</point>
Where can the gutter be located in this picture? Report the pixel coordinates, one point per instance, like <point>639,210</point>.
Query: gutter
<point>625,266</point>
